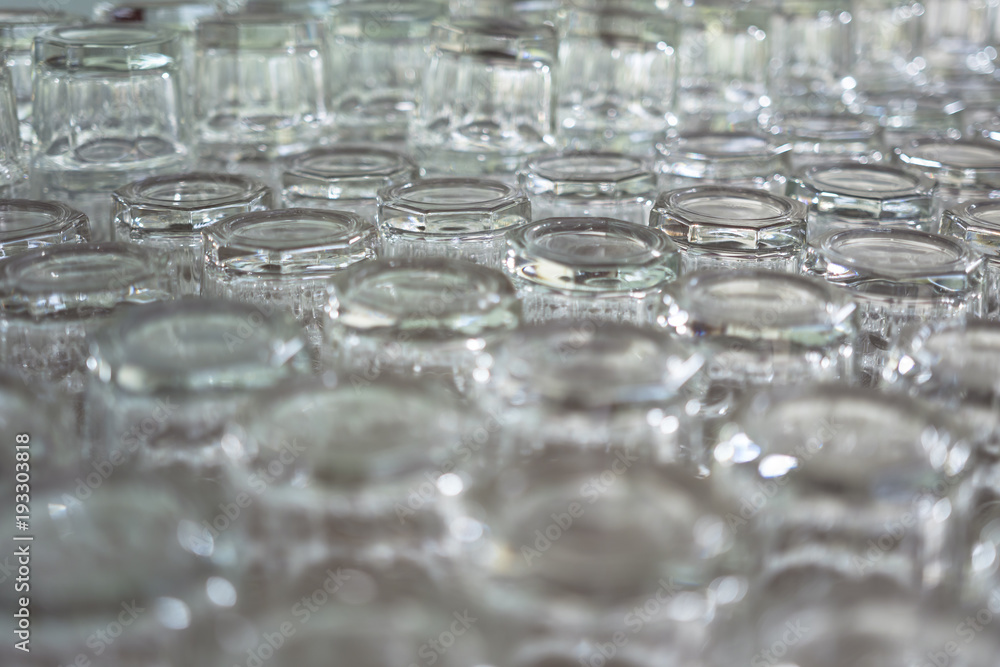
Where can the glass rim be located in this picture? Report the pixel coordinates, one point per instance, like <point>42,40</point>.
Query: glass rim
<point>954,364</point>
<point>674,200</point>
<point>303,165</point>
<point>911,154</point>
<point>811,178</point>
<point>134,264</point>
<point>137,37</point>
<point>796,126</point>
<point>60,217</point>
<point>681,146</point>
<point>345,230</point>
<point>550,167</point>
<point>964,260</point>
<point>135,195</point>
<point>257,19</point>
<point>525,241</point>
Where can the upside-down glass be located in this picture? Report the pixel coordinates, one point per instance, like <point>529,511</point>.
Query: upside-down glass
<point>962,170</point>
<point>604,185</point>
<point>855,483</point>
<point>26,224</point>
<point>887,40</point>
<point>899,278</point>
<point>283,260</point>
<point>720,227</point>
<point>466,218</point>
<point>53,298</point>
<point>729,158</point>
<point>13,174</point>
<point>488,97</point>
<point>617,75</point>
<point>724,56</point>
<point>810,49</point>
<point>18,28</point>
<point>431,317</point>
<point>108,105</point>
<point>167,214</point>
<point>978,224</point>
<point>378,58</point>
<point>262,85</point>
<point>756,328</point>
<point>845,195</point>
<point>960,36</point>
<point>165,378</point>
<point>344,178</point>
<point>597,269</point>
<point>817,138</point>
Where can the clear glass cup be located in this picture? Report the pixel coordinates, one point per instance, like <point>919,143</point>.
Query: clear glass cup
<point>978,224</point>
<point>724,62</point>
<point>262,85</point>
<point>720,227</point>
<point>18,29</point>
<point>467,218</point>
<point>363,474</point>
<point>167,214</point>
<point>429,317</point>
<point>26,224</point>
<point>617,75</point>
<point>960,37</point>
<point>822,137</point>
<point>846,195</point>
<point>899,278</point>
<point>757,328</point>
<point>566,389</point>
<point>108,105</point>
<point>344,178</point>
<point>51,449</point>
<point>603,185</point>
<point>811,48</point>
<point>597,269</point>
<point>887,40</point>
<point>910,112</point>
<point>13,175</point>
<point>857,484</point>
<point>378,59</point>
<point>284,260</point>
<point>488,98</point>
<point>54,298</point>
<point>729,158</point>
<point>165,379</point>
<point>962,170</point>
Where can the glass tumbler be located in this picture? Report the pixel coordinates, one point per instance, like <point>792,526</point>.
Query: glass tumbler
<point>978,224</point>
<point>603,185</point>
<point>617,75</point>
<point>717,227</point>
<point>596,269</point>
<point>845,195</point>
<point>26,224</point>
<point>262,84</point>
<point>899,278</point>
<point>53,298</point>
<point>856,484</point>
<point>729,158</point>
<point>344,178</point>
<point>166,378</point>
<point>429,317</point>
<point>818,138</point>
<point>167,214</point>
<point>13,175</point>
<point>108,106</point>
<point>724,64</point>
<point>488,97</point>
<point>811,48</point>
<point>467,218</point>
<point>284,260</point>
<point>757,328</point>
<point>378,58</point>
<point>962,170</point>
<point>18,29</point>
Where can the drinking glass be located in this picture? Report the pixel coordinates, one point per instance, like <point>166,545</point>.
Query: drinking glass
<point>488,98</point>
<point>811,48</point>
<point>728,158</point>
<point>603,185</point>
<point>344,178</point>
<point>962,170</point>
<point>165,379</point>
<point>262,85</point>
<point>26,224</point>
<point>467,218</point>
<point>378,57</point>
<point>822,137</point>
<point>887,40</point>
<point>12,172</point>
<point>617,75</point>
<point>431,317</point>
<point>284,260</point>
<point>167,214</point>
<point>597,269</point>
<point>899,278</point>
<point>978,224</point>
<point>722,227</point>
<point>845,195</point>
